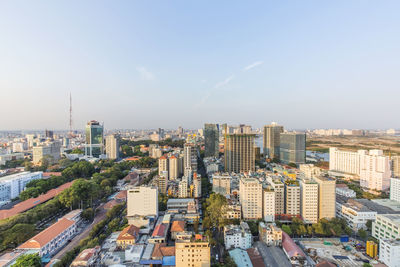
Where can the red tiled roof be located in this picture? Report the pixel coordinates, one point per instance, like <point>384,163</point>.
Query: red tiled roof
<point>32,202</point>
<point>290,246</point>
<point>47,174</point>
<point>129,232</point>
<point>45,236</point>
<point>325,264</point>
<point>342,185</point>
<point>167,251</point>
<point>178,226</point>
<point>110,204</point>
<point>163,157</point>
<point>121,195</point>
<point>159,230</point>
<point>255,257</point>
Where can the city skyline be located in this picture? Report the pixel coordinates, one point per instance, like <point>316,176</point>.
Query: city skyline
<point>304,65</point>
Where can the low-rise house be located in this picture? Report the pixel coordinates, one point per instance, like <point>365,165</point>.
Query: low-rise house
<point>240,257</point>
<point>292,251</point>
<point>177,226</point>
<point>237,236</point>
<point>128,236</point>
<point>87,257</point>
<point>133,253</point>
<point>270,234</point>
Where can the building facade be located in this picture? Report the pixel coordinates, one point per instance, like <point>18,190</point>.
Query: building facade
<point>344,161</point>
<point>272,140</point>
<point>386,226</point>
<point>50,151</point>
<point>395,189</point>
<point>270,234</point>
<point>268,204</point>
<point>326,197</point>
<point>142,201</point>
<point>192,253</point>
<point>239,153</point>
<point>293,148</point>
<point>94,146</point>
<point>112,146</point>
<point>309,200</point>
<point>12,185</point>
<point>389,252</point>
<point>375,170</point>
<point>250,194</point>
<point>211,140</point>
<point>292,198</point>
<point>221,183</point>
<point>237,236</point>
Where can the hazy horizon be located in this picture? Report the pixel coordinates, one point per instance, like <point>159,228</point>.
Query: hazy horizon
<point>143,65</point>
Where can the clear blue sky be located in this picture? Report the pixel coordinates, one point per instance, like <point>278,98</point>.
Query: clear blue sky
<point>148,64</point>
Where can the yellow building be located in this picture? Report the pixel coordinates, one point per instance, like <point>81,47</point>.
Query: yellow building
<point>326,197</point>
<point>128,236</point>
<point>372,249</point>
<point>190,253</point>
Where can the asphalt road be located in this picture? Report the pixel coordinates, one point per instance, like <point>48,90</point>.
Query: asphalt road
<point>272,256</point>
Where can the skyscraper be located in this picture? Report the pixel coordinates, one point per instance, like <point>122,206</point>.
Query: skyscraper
<point>112,146</point>
<point>309,200</point>
<point>190,158</point>
<point>272,140</point>
<point>211,140</point>
<point>239,153</point>
<point>94,139</point>
<point>293,148</point>
<point>375,170</point>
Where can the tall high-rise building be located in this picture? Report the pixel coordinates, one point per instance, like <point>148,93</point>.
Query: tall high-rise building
<point>196,186</point>
<point>142,201</point>
<point>250,194</point>
<point>189,158</point>
<point>279,189</point>
<point>173,167</point>
<point>344,161</point>
<point>292,198</point>
<point>309,200</point>
<point>268,204</point>
<point>94,146</point>
<point>163,166</point>
<point>194,253</point>
<point>293,148</point>
<point>239,153</point>
<point>183,189</point>
<point>49,134</point>
<point>375,170</point>
<point>272,135</point>
<point>50,151</point>
<point>211,140</point>
<point>396,166</point>
<point>112,146</point>
<point>326,197</point>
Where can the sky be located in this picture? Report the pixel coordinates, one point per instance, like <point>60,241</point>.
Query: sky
<point>149,64</point>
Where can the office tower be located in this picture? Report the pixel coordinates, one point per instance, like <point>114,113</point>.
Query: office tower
<point>183,189</point>
<point>309,200</point>
<point>293,148</point>
<point>221,183</point>
<point>292,198</point>
<point>395,189</point>
<point>194,253</point>
<point>279,189</point>
<point>196,186</point>
<point>211,140</point>
<point>189,158</point>
<point>250,194</point>
<point>142,201</point>
<point>49,134</point>
<point>173,167</point>
<point>112,146</point>
<point>396,166</point>
<point>268,204</point>
<point>163,166</point>
<point>94,139</point>
<point>344,161</point>
<point>239,153</point>
<point>375,171</point>
<point>181,164</point>
<point>326,197</point>
<point>50,151</point>
<point>272,140</point>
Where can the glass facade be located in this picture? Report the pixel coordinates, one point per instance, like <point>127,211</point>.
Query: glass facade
<point>211,140</point>
<point>94,139</point>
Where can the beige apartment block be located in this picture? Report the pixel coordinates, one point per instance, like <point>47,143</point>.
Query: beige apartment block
<point>239,153</point>
<point>309,200</point>
<point>326,197</point>
<point>192,254</point>
<point>250,193</point>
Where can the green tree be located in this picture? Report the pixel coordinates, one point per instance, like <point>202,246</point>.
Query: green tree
<point>362,233</point>
<point>286,229</point>
<point>369,225</point>
<point>31,260</point>
<point>215,211</point>
<point>77,151</point>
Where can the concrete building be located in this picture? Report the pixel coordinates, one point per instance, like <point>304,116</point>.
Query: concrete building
<point>326,197</point>
<point>396,166</point>
<point>142,201</point>
<point>239,153</point>
<point>233,211</point>
<point>309,200</point>
<point>343,190</point>
<point>94,146</point>
<point>270,234</point>
<point>189,158</point>
<point>50,151</point>
<point>8,157</point>
<point>112,146</point>
<point>173,167</point>
<point>237,236</point>
<point>163,166</point>
<point>128,236</point>
<point>389,252</point>
<point>386,226</point>
<point>310,171</point>
<point>279,189</point>
<point>375,170</point>
<point>12,185</point>
<point>221,183</point>
<point>293,148</point>
<point>272,140</point>
<point>268,203</point>
<point>344,161</point>
<point>355,213</point>
<point>183,189</point>
<point>87,257</point>
<point>196,185</point>
<point>250,194</point>
<point>162,183</point>
<point>192,253</point>
<point>292,198</point>
<point>211,140</point>
<point>395,189</point>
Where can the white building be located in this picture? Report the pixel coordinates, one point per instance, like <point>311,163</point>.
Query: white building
<point>112,146</point>
<point>389,252</point>
<point>355,213</point>
<point>375,170</point>
<point>142,201</point>
<point>183,189</point>
<point>269,204</point>
<point>12,185</point>
<point>395,189</point>
<point>309,200</point>
<point>8,157</point>
<point>250,194</point>
<point>310,171</point>
<point>345,191</point>
<point>221,183</point>
<point>51,151</point>
<point>237,236</point>
<point>386,226</point>
<point>344,161</point>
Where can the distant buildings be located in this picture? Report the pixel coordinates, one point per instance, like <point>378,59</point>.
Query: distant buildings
<point>239,153</point>
<point>344,161</point>
<point>396,166</point>
<point>112,146</point>
<point>237,236</point>
<point>272,140</point>
<point>251,198</point>
<point>142,201</point>
<point>211,140</point>
<point>293,148</point>
<point>50,151</point>
<point>395,189</point>
<point>8,157</point>
<point>12,185</point>
<point>270,234</point>
<point>94,146</point>
<point>343,190</point>
<point>195,253</point>
<point>310,171</point>
<point>375,170</point>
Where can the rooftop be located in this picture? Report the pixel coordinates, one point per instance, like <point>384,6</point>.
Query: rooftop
<point>240,257</point>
